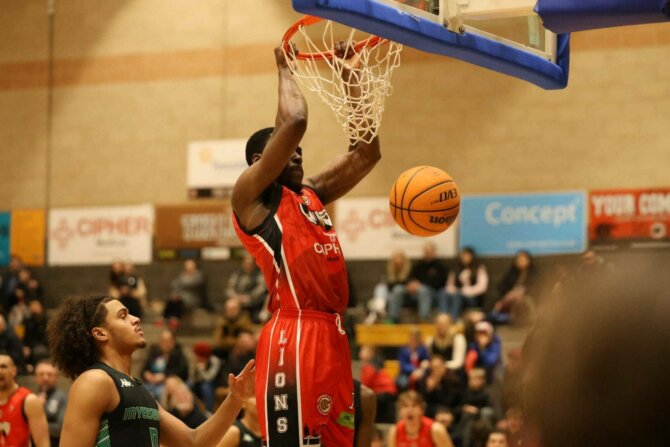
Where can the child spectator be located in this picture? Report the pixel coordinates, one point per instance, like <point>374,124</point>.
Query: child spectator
<point>485,351</point>
<point>380,382</point>
<point>476,405</point>
<point>206,374</point>
<point>412,358</point>
<point>439,386</point>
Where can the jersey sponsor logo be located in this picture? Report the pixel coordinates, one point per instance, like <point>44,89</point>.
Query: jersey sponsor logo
<point>133,413</point>
<point>125,383</point>
<point>324,403</point>
<point>320,218</point>
<point>346,420</point>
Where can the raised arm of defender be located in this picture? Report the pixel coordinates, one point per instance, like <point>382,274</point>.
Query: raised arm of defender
<point>290,125</point>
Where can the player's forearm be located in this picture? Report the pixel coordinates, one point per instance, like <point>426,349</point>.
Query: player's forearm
<point>212,430</point>
<point>292,106</point>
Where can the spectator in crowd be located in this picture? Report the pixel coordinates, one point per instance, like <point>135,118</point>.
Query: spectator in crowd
<point>486,350</point>
<point>477,405</point>
<point>427,276</point>
<point>229,326</point>
<point>19,312</point>
<point>513,427</point>
<point>413,360</point>
<point>31,287</point>
<point>439,386</point>
<point>35,344</point>
<point>53,399</point>
<point>413,428</point>
<point>375,377</point>
<point>164,360</point>
<point>446,417</point>
<point>129,300</point>
<point>398,269</point>
<point>11,344</point>
<point>518,290</point>
<point>116,273</point>
<point>138,287</point>
<point>497,438</point>
<point>466,287</point>
<point>245,432</point>
<point>243,351</point>
<point>206,374</point>
<point>248,286</point>
<point>22,417</point>
<point>447,343</point>
<point>10,282</point>
<point>182,404</point>
<point>190,287</point>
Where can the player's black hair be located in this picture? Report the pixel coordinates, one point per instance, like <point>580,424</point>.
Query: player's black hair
<point>256,143</point>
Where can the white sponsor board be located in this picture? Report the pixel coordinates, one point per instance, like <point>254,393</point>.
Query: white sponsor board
<point>85,236</point>
<point>215,163</point>
<point>367,230</point>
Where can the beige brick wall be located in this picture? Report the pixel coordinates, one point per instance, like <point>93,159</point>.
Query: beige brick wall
<point>135,81</point>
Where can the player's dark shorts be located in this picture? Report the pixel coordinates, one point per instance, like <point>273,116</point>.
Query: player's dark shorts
<point>304,387</point>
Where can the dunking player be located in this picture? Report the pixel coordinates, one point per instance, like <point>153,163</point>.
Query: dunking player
<point>304,384</point>
<point>92,340</point>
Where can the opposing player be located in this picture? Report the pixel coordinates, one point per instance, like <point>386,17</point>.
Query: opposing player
<point>21,412</point>
<point>304,386</point>
<point>92,340</point>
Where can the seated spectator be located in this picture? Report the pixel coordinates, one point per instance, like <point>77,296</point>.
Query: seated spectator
<point>477,405</point>
<point>243,351</point>
<point>497,438</point>
<point>12,345</point>
<point>181,403</point>
<point>138,287</point>
<point>513,426</point>
<point>19,313</point>
<point>445,416</point>
<point>190,286</point>
<point>53,398</point>
<point>427,276</point>
<point>32,289</point>
<point>129,300</point>
<point>206,374</point>
<point>412,358</point>
<point>375,377</point>
<point>245,432</point>
<point>413,428</point>
<point>486,350</point>
<point>9,284</point>
<point>229,326</point>
<point>517,290</point>
<point>447,343</point>
<point>248,286</point>
<point>439,386</point>
<point>164,360</point>
<point>35,343</point>
<point>465,287</point>
<point>398,269</point>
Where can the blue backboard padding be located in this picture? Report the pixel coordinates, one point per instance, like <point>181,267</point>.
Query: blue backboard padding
<point>565,16</point>
<point>417,32</point>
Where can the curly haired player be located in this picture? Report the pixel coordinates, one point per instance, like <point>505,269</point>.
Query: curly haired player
<point>92,340</point>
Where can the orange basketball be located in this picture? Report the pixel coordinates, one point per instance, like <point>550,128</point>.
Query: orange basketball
<point>424,201</point>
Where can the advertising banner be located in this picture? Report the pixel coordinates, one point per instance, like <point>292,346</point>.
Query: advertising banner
<point>501,225</point>
<point>88,236</point>
<point>28,236</point>
<point>632,217</point>
<point>214,165</point>
<point>367,231</point>
<point>195,225</point>
<point>5,221</point>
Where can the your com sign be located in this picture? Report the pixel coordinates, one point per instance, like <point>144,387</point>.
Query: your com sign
<point>501,225</point>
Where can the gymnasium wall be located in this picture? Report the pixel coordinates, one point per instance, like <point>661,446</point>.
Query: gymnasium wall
<point>135,80</point>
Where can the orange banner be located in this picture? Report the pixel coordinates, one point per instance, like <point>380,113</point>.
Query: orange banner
<point>28,234</point>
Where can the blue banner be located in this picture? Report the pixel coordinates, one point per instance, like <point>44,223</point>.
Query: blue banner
<point>5,220</point>
<point>501,225</point>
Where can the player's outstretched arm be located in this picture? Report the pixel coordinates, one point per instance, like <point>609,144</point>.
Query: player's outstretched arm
<point>37,421</point>
<point>347,170</point>
<point>290,126</point>
<point>91,395</point>
<point>174,433</point>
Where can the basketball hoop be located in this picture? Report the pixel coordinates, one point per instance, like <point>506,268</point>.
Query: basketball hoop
<point>355,93</point>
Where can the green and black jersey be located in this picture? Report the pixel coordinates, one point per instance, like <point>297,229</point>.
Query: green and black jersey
<point>134,422</point>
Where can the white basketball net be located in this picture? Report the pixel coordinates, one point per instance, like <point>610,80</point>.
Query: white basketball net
<point>359,114</point>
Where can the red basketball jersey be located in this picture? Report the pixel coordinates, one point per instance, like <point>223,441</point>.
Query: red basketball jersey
<point>299,254</point>
<point>14,430</point>
<point>424,439</point>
